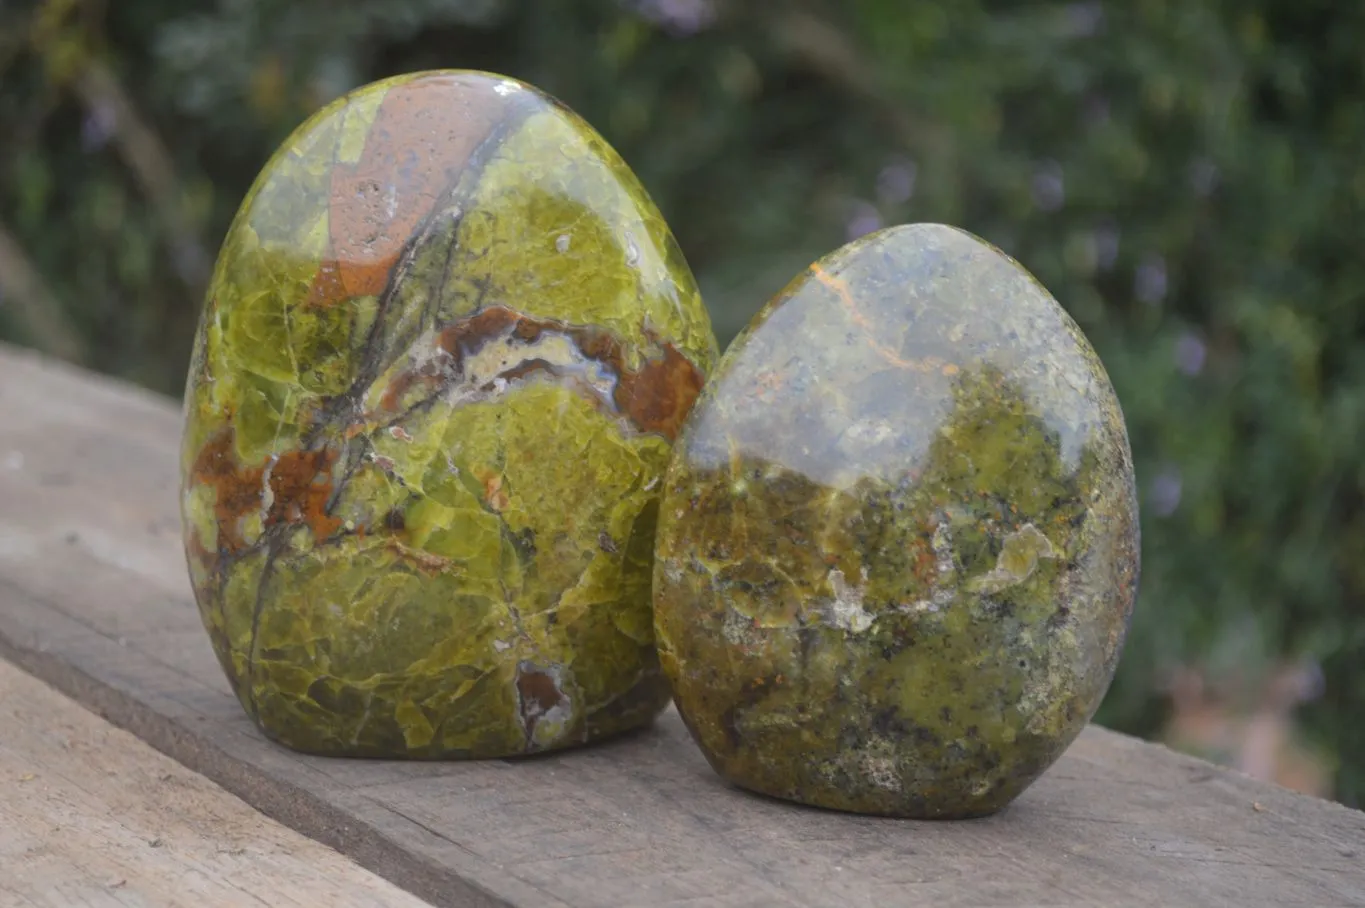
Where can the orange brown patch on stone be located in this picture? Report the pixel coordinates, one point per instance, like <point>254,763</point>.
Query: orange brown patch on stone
<point>418,557</point>
<point>300,485</point>
<point>469,334</point>
<point>494,491</point>
<point>924,563</point>
<point>422,137</point>
<point>403,383</point>
<point>538,692</point>
<point>659,396</point>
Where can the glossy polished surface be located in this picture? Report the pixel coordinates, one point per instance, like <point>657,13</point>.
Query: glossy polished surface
<point>447,346</point>
<point>898,548</point>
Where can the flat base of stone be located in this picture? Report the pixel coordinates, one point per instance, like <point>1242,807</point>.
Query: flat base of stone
<point>438,756</point>
<point>891,811</point>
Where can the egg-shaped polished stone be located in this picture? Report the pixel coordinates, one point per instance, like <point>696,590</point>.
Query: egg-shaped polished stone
<point>898,547</point>
<point>448,343</point>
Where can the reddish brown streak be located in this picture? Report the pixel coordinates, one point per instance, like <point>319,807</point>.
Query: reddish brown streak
<point>300,483</point>
<point>655,397</point>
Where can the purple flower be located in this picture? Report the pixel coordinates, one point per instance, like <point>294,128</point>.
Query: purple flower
<point>98,127</point>
<point>1149,284</point>
<point>1084,20</point>
<point>681,17</point>
<point>1190,354</point>
<point>896,182</point>
<point>1165,494</point>
<point>864,219</point>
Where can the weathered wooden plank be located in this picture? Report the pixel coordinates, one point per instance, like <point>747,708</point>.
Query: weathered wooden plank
<point>90,815</point>
<point>93,597</point>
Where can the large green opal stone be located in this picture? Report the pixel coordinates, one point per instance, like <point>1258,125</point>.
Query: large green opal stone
<point>898,546</point>
<point>447,346</point>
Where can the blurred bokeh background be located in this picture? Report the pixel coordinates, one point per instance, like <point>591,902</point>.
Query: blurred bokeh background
<point>1186,176</point>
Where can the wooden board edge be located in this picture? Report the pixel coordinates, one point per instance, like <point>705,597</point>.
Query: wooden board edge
<point>286,803</point>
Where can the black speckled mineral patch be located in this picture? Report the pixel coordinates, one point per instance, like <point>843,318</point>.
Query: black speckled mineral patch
<point>898,545</point>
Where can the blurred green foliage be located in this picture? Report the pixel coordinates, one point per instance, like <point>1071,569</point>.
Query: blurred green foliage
<point>1186,176</point>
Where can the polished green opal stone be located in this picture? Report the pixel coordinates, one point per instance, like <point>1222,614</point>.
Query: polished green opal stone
<point>447,347</point>
<point>898,546</point>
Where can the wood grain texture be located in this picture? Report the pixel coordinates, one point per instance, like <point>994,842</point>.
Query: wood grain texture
<point>94,599</point>
<point>90,815</point>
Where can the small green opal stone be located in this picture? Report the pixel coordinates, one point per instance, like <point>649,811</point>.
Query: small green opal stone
<point>898,545</point>
<point>446,349</point>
